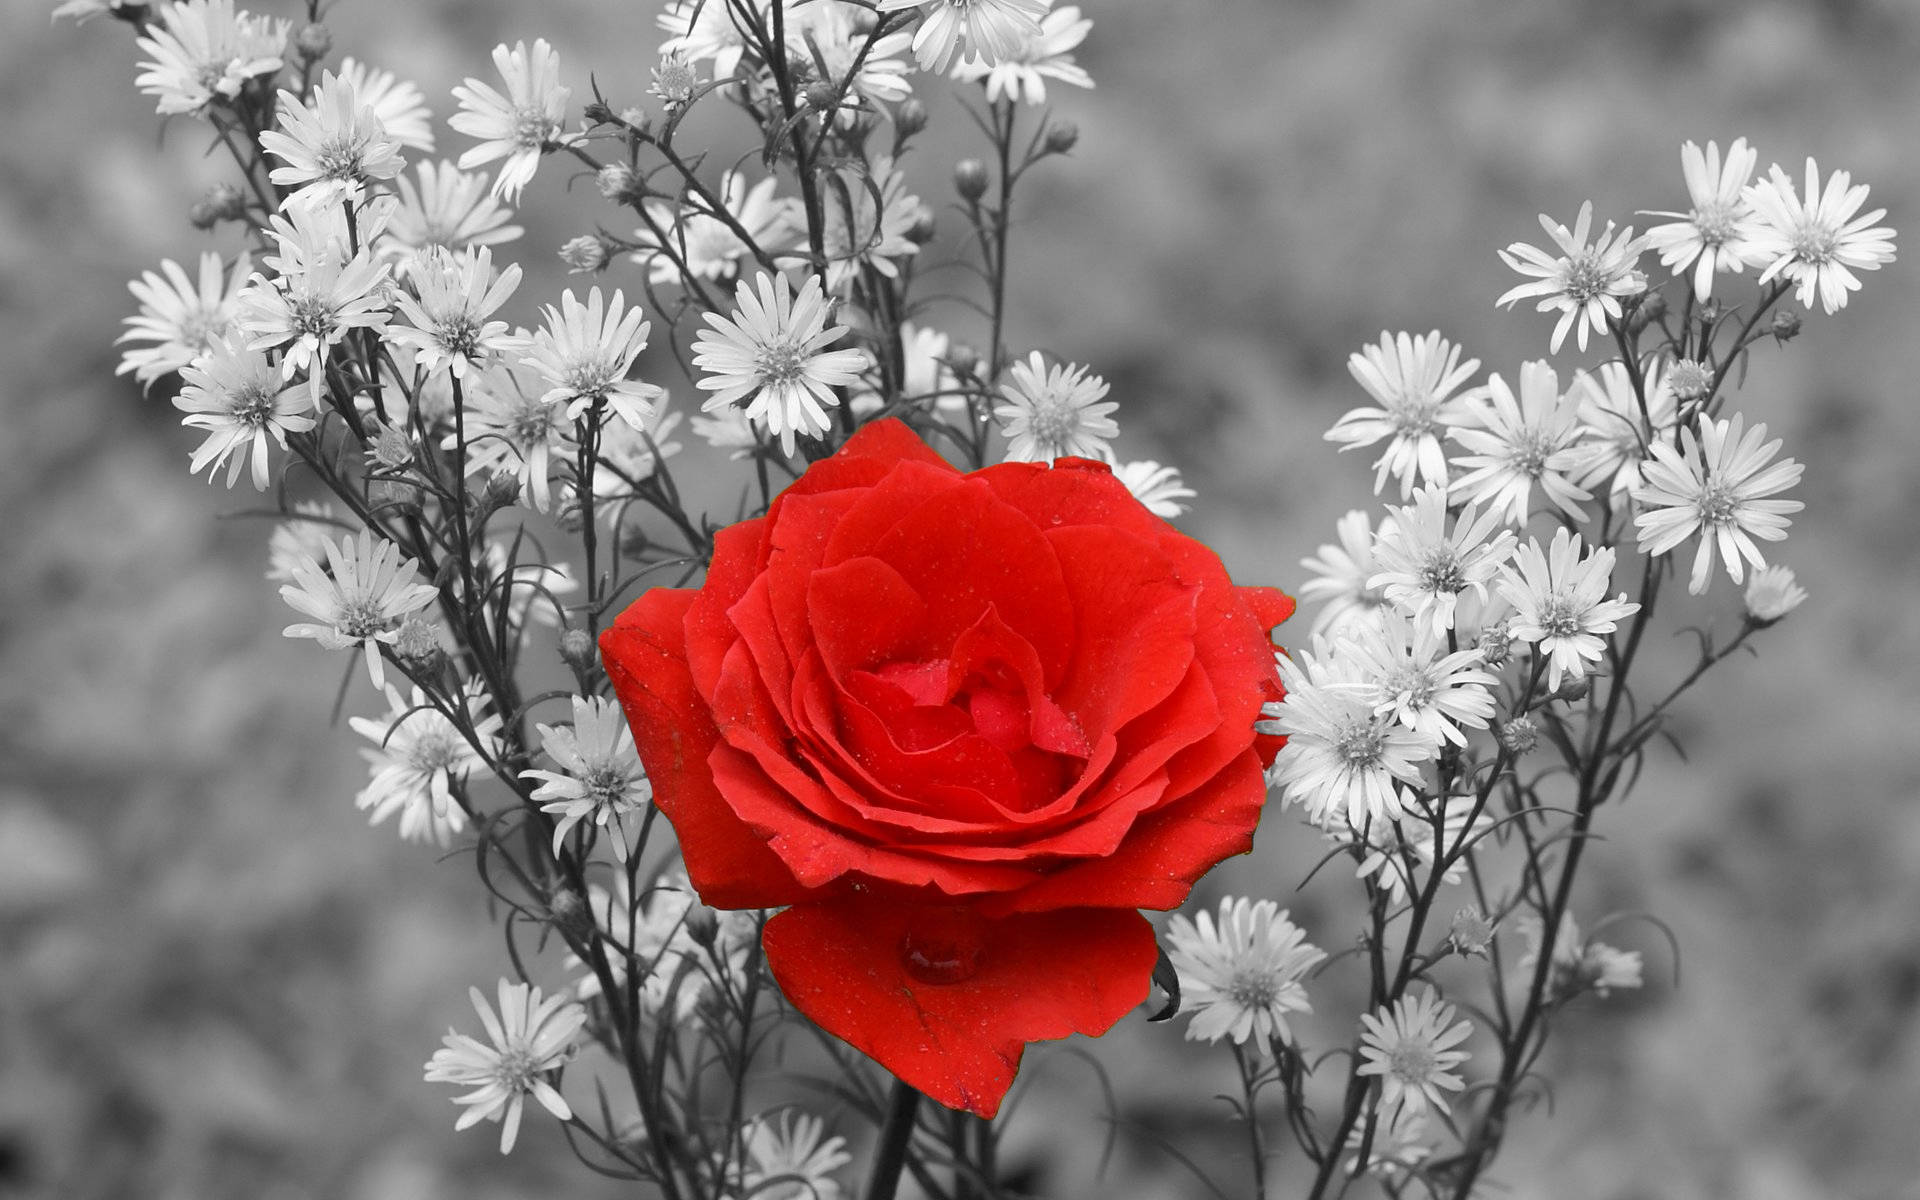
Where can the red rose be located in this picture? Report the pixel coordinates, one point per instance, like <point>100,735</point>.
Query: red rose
<point>962,727</point>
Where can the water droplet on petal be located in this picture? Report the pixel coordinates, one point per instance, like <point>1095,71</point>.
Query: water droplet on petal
<point>944,944</point>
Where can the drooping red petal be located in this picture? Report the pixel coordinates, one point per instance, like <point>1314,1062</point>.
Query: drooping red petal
<point>1037,978</point>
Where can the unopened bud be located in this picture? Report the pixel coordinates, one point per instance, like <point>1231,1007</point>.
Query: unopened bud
<point>702,925</point>
<point>910,118</point>
<point>1786,326</point>
<point>1574,689</point>
<point>416,643</point>
<point>822,96</point>
<point>617,182</point>
<point>970,179</point>
<point>1471,933</point>
<point>1496,643</point>
<point>1654,306</point>
<point>202,215</point>
<point>585,254</point>
<point>1690,380</point>
<point>598,113</point>
<point>576,648</point>
<point>569,913</point>
<point>922,230</point>
<point>503,489</point>
<point>392,449</point>
<point>1708,312</point>
<point>1062,136</point>
<point>1519,735</point>
<point>964,359</point>
<point>313,42</point>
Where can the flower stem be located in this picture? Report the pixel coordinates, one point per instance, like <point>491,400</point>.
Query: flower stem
<point>890,1155</point>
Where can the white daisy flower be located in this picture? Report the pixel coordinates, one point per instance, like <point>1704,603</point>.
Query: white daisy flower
<point>1241,977</point>
<point>452,297</point>
<point>1584,282</point>
<point>1054,412</point>
<point>1711,236</point>
<point>1021,74</point>
<point>1579,964</point>
<point>600,778</point>
<point>1410,1046</point>
<point>702,31</point>
<point>1342,574</point>
<point>1395,850</point>
<point>202,51</point>
<point>1412,380</point>
<point>1817,243</point>
<point>417,759</point>
<point>584,352</point>
<point>399,103</point>
<point>789,1149</point>
<point>1399,1144</point>
<point>239,397</point>
<point>520,125</point>
<point>870,221</point>
<point>360,597</point>
<point>1343,760</point>
<point>531,1038</point>
<point>1617,428</point>
<point>1160,489</point>
<point>1425,569</point>
<point>833,38</point>
<point>448,209</point>
<point>1560,603</point>
<point>303,534</point>
<point>306,313</point>
<point>706,243</point>
<point>771,354</point>
<point>1772,593</point>
<point>956,30</point>
<point>1518,442</point>
<point>181,317</point>
<point>333,147</point>
<point>1716,486</point>
<point>1419,683</point>
<point>510,428</point>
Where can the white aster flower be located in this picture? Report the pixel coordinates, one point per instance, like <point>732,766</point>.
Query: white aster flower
<point>1055,412</point>
<point>728,429</point>
<point>1584,282</point>
<point>520,125</point>
<point>303,534</point>
<point>1425,569</point>
<point>833,37</point>
<point>1515,443</point>
<point>676,970</point>
<point>1417,681</point>
<point>955,30</point>
<point>359,598</point>
<point>705,242</point>
<point>1410,1047</point>
<point>584,352</point>
<point>1817,243</point>
<point>305,314</point>
<point>1240,978</point>
<point>239,397</point>
<point>531,1038</point>
<point>788,1149</point>
<point>333,147</point>
<point>312,231</point>
<point>1712,235</point>
<point>453,295</point>
<point>399,103</point>
<point>1579,964</point>
<point>1399,1144</point>
<point>510,428</point>
<point>1395,850</point>
<point>183,319</point>
<point>202,51</point>
<point>1343,760</point>
<point>1617,429</point>
<point>1021,74</point>
<point>1342,574</point>
<point>1772,593</point>
<point>1159,489</point>
<point>870,221</point>
<point>418,757</point>
<point>1560,603</point>
<point>600,778</point>
<point>1716,486</point>
<point>1413,381</point>
<point>771,354</point>
<point>448,209</point>
<point>704,30</point>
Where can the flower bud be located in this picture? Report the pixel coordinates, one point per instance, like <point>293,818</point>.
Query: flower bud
<point>1690,380</point>
<point>202,215</point>
<point>314,41</point>
<point>392,448</point>
<point>1062,136</point>
<point>1471,932</point>
<point>702,925</point>
<point>964,359</point>
<point>576,648</point>
<point>617,182</point>
<point>922,230</point>
<point>503,489</point>
<point>585,254</point>
<point>1708,312</point>
<point>1496,643</point>
<point>1772,594</point>
<point>970,179</point>
<point>1654,306</point>
<point>1785,327</point>
<point>569,913</point>
<point>1519,735</point>
<point>1573,689</point>
<point>598,113</point>
<point>822,96</point>
<point>910,118</point>
<point>416,643</point>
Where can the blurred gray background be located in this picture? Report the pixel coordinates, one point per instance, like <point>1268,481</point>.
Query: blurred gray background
<point>216,982</point>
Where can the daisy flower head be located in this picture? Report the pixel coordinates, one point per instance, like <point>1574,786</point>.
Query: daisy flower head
<point>706,242</point>
<point>1398,1147</point>
<point>202,52</point>
<point>704,31</point>
<point>332,148</point>
<point>1516,442</point>
<point>1416,681</point>
<point>1159,489</point>
<point>600,778</point>
<point>532,1037</point>
<point>771,353</point>
<point>399,103</point>
<point>1772,593</point>
<point>1584,282</point>
<point>303,534</point>
<point>1560,603</point>
<point>358,599</point>
<point>183,317</point>
<point>956,30</point>
<point>1712,235</point>
<point>1055,412</point>
<point>1412,380</point>
<point>1021,74</point>
<point>519,125</point>
<point>417,758</point>
<point>447,310</point>
<point>1579,964</point>
<point>1410,1047</point>
<point>1426,568</point>
<point>511,428</point>
<point>833,37</point>
<point>1618,429</point>
<point>1240,978</point>
<point>448,209</point>
<point>239,397</point>
<point>1342,575</point>
<point>1343,760</point>
<point>305,314</point>
<point>1817,243</point>
<point>1717,485</point>
<point>584,351</point>
<point>788,1158</point>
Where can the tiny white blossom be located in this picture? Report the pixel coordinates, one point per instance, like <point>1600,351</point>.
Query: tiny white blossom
<point>1617,430</point>
<point>1021,74</point>
<point>238,396</point>
<point>1398,1146</point>
<point>1716,486</point>
<point>1579,964</point>
<point>1584,282</point>
<point>307,313</point>
<point>1160,489</point>
<point>1713,234</point>
<point>1560,602</point>
<point>789,1149</point>
<point>202,52</point>
<point>532,588</point>
<point>772,354</point>
<point>1516,442</point>
<point>1241,977</point>
<point>531,1038</point>
<point>332,148</point>
<point>1413,381</point>
<point>600,778</point>
<point>1817,243</point>
<point>418,757</point>
<point>1053,412</point>
<point>449,209</point>
<point>1417,681</point>
<point>519,125</point>
<point>1427,570</point>
<point>834,37</point>
<point>181,317</point>
<point>510,428</point>
<point>359,599</point>
<point>956,30</point>
<point>1410,1046</point>
<point>584,352</point>
<point>447,311</point>
<point>728,429</point>
<point>1342,575</point>
<point>1343,761</point>
<point>1772,593</point>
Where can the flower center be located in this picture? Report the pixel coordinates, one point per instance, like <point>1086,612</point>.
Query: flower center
<point>780,362</point>
<point>360,617</point>
<point>1442,573</point>
<point>1815,242</point>
<point>530,128</point>
<point>313,317</point>
<point>1587,278</point>
<point>251,405</point>
<point>1252,989</point>
<point>1414,416</point>
<point>514,1068</point>
<point>1528,453</point>
<point>1359,745</point>
<point>339,159</point>
<point>1716,223</point>
<point>433,751</point>
<point>1412,1063</point>
<point>1717,504</point>
<point>1560,616</point>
